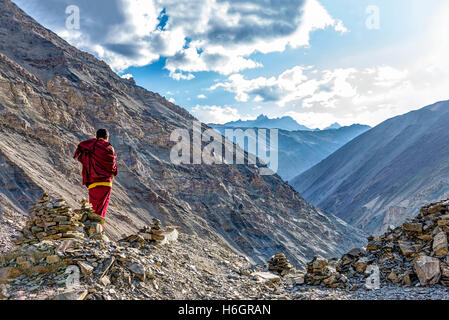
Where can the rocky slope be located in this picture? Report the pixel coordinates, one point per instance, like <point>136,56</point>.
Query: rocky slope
<point>301,150</point>
<point>386,174</point>
<point>62,265</point>
<point>414,254</point>
<point>52,96</point>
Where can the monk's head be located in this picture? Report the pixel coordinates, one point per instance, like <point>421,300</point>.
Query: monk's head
<point>103,134</point>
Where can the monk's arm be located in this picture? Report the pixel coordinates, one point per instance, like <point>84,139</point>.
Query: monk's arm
<point>115,169</point>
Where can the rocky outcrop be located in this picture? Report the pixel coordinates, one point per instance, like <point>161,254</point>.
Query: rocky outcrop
<point>414,254</point>
<point>52,96</point>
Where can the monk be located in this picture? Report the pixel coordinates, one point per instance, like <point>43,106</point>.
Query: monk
<point>99,169</point>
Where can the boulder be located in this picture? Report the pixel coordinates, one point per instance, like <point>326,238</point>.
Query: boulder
<point>85,268</point>
<point>138,270</point>
<point>440,244</point>
<point>406,247</point>
<point>266,277</point>
<point>72,295</point>
<point>361,265</point>
<point>427,269</point>
<point>412,227</point>
<point>406,281</point>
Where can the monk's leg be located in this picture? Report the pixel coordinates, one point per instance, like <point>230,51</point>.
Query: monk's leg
<point>99,197</point>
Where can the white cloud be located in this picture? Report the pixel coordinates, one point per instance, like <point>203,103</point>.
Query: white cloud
<point>172,100</point>
<point>181,76</point>
<point>288,86</point>
<point>189,60</point>
<point>313,120</point>
<point>201,96</point>
<point>216,114</point>
<point>127,76</point>
<point>318,98</point>
<point>201,35</point>
<point>229,34</point>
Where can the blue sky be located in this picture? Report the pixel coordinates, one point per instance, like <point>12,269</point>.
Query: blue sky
<point>319,61</point>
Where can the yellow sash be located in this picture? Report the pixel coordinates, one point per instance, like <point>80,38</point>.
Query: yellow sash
<point>98,184</point>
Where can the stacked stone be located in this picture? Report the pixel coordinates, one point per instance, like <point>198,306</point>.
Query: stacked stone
<point>99,263</point>
<point>320,271</point>
<point>30,259</point>
<point>279,264</point>
<point>414,254</point>
<point>93,223</point>
<point>156,231</point>
<point>52,220</point>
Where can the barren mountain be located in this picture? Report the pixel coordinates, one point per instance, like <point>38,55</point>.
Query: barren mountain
<point>262,121</point>
<point>301,150</point>
<point>386,174</point>
<point>52,96</point>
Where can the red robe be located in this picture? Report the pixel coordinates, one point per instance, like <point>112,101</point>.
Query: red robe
<point>99,166</point>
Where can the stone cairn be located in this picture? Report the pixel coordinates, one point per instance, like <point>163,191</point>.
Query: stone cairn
<point>155,233</point>
<point>93,223</point>
<point>415,253</point>
<point>279,264</point>
<point>54,220</point>
<point>320,271</point>
<point>57,237</point>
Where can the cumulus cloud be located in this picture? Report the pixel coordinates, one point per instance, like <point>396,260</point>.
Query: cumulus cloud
<point>201,96</point>
<point>181,76</point>
<point>274,89</point>
<point>127,76</point>
<point>312,119</point>
<point>318,98</point>
<point>216,114</point>
<point>193,36</point>
<point>313,88</point>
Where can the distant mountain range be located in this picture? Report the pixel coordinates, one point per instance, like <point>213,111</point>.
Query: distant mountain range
<point>301,150</point>
<point>284,123</point>
<point>333,126</point>
<point>262,121</point>
<point>385,174</point>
